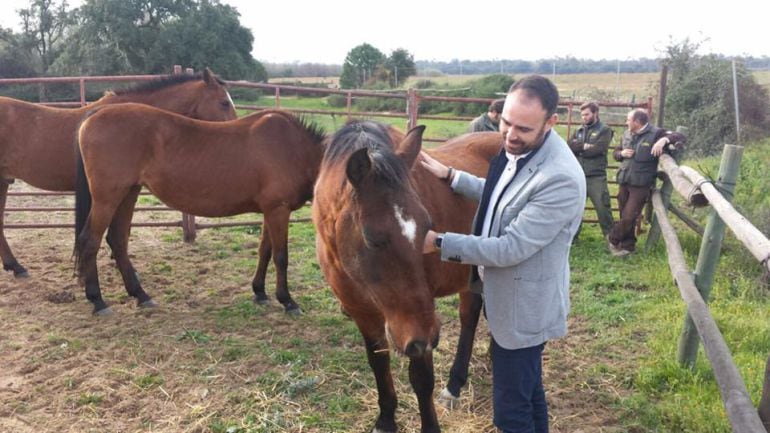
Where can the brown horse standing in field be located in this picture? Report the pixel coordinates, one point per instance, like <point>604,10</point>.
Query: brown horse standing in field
<point>372,208</point>
<point>36,141</point>
<point>266,162</point>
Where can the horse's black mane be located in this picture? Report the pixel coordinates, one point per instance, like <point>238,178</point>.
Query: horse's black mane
<point>315,130</point>
<point>163,82</point>
<point>386,165</point>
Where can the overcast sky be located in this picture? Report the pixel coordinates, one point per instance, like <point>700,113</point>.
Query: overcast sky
<point>324,31</point>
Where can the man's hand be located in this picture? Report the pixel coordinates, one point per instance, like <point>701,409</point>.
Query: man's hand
<point>438,169</point>
<point>429,246</point>
<point>657,148</point>
<point>627,153</point>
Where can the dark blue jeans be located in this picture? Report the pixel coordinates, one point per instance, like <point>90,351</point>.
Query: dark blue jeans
<point>518,394</point>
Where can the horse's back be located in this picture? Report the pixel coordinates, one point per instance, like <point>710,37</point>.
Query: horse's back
<point>469,152</point>
<point>34,140</point>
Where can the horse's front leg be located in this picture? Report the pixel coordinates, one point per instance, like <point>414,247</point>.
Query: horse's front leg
<point>470,310</point>
<point>278,225</point>
<point>117,238</point>
<point>9,261</point>
<point>265,252</point>
<point>422,380</point>
<point>379,361</point>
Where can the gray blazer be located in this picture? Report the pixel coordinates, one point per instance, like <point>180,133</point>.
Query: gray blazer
<point>526,257</point>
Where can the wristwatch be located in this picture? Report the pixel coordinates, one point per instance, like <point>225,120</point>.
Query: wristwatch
<point>437,241</point>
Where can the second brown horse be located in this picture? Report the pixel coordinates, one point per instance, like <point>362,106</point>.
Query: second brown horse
<point>36,141</point>
<point>266,162</point>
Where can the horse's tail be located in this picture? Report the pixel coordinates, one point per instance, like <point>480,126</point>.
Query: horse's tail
<point>82,199</point>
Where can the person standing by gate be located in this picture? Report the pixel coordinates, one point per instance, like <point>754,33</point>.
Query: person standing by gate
<point>590,144</point>
<point>638,170</point>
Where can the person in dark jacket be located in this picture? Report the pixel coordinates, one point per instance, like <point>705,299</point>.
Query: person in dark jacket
<point>590,144</point>
<point>638,153</point>
<point>489,121</point>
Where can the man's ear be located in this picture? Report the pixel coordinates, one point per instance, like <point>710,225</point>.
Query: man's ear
<point>551,122</point>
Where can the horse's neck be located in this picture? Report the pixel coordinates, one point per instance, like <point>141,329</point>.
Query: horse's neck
<point>160,98</point>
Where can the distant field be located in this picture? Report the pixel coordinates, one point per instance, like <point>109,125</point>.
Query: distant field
<point>578,86</point>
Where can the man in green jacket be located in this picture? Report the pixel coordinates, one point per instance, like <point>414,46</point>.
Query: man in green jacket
<point>638,154</point>
<point>489,121</point>
<point>590,144</point>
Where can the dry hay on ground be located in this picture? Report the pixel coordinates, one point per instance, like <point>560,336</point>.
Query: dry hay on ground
<point>206,360</point>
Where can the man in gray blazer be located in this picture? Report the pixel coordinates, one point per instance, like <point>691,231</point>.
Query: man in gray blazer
<point>531,204</point>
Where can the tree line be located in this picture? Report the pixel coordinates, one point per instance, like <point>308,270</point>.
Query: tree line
<point>120,37</point>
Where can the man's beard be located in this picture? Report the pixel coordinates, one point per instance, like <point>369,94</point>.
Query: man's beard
<point>523,147</point>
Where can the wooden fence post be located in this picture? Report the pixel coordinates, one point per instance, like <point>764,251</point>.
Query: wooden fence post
<point>665,191</point>
<point>188,221</point>
<point>710,248</point>
<point>411,108</point>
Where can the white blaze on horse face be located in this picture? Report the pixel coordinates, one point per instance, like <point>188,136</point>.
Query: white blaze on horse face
<point>408,226</point>
<point>230,99</point>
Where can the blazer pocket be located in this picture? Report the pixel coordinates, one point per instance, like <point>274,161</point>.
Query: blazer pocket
<point>536,305</point>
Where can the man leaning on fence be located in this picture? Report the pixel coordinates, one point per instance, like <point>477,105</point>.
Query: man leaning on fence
<point>590,144</point>
<point>638,153</point>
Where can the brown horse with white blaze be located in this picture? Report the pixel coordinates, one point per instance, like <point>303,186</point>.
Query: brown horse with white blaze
<point>372,208</point>
<point>266,162</point>
<point>36,141</point>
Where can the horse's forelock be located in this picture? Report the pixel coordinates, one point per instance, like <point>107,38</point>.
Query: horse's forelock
<point>386,165</point>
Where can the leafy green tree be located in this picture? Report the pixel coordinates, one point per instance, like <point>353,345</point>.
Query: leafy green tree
<point>210,35</point>
<point>44,24</point>
<point>400,66</point>
<point>360,65</point>
<point>700,96</point>
<point>147,37</point>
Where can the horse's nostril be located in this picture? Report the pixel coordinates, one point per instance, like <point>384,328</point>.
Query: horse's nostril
<point>416,348</point>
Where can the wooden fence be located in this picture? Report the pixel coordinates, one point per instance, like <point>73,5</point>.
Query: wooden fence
<point>695,287</point>
<point>412,99</point>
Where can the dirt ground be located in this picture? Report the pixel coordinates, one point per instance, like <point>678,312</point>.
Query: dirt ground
<point>63,370</point>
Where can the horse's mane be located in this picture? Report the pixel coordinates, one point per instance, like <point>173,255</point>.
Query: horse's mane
<point>355,135</point>
<point>315,130</point>
<point>162,83</point>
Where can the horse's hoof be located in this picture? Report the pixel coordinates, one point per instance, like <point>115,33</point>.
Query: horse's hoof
<point>447,400</point>
<point>104,312</point>
<point>261,301</point>
<point>147,304</point>
<point>21,275</point>
<point>293,310</point>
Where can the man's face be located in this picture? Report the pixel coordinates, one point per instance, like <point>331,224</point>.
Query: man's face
<point>632,124</point>
<point>523,123</point>
<point>588,116</point>
<point>494,116</point>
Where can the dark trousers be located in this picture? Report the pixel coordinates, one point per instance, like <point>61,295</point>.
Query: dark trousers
<point>631,200</point>
<point>599,194</point>
<point>517,390</point>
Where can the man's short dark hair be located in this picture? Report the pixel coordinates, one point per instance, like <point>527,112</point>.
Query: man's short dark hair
<point>540,87</point>
<point>496,106</point>
<point>593,106</point>
<point>640,116</point>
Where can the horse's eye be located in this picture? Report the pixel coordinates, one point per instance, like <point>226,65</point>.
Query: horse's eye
<point>225,104</point>
<point>375,240</point>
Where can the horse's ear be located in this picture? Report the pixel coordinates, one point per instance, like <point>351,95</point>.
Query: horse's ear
<point>410,147</point>
<point>208,77</point>
<point>359,165</point>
